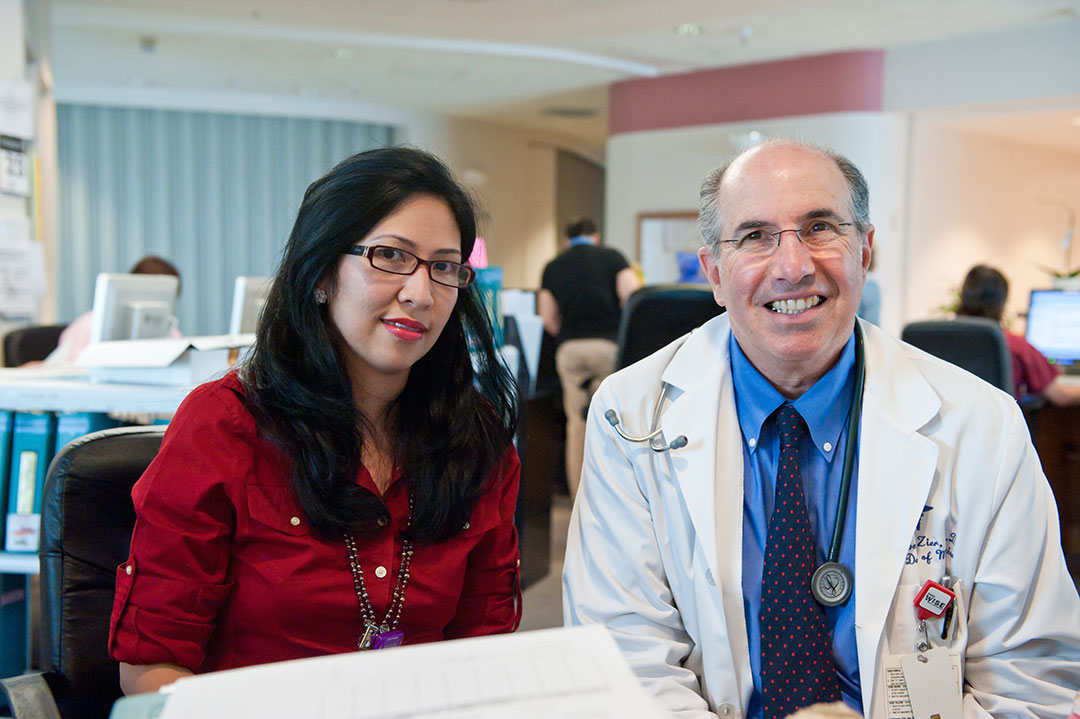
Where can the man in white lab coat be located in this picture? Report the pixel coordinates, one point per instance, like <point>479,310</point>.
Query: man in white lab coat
<point>670,539</point>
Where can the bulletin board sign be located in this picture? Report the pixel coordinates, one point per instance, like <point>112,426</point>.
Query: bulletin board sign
<point>667,245</point>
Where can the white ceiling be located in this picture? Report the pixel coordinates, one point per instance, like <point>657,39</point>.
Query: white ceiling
<point>536,63</point>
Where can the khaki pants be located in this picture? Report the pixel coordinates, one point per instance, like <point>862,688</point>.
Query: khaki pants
<point>581,365</point>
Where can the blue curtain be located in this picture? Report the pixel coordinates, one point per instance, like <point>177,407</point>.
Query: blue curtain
<point>215,194</point>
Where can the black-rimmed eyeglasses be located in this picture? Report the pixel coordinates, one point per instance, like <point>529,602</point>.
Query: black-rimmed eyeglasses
<point>397,261</point>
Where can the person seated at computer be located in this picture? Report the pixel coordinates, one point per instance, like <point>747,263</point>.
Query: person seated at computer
<point>76,336</point>
<point>983,295</point>
<point>355,479</point>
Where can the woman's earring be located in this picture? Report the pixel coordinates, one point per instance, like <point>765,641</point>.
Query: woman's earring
<point>320,296</point>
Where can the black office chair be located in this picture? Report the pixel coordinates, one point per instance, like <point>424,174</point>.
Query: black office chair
<point>86,523</point>
<point>30,344</point>
<point>976,344</point>
<point>656,315</point>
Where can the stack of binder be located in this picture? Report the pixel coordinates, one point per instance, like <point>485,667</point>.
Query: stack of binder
<point>28,441</point>
<point>35,437</point>
<point>32,445</point>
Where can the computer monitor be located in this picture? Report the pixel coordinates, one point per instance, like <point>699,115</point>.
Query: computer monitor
<point>249,296</point>
<point>1053,325</point>
<point>131,307</point>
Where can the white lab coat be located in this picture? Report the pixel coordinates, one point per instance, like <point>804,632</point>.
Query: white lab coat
<point>654,550</point>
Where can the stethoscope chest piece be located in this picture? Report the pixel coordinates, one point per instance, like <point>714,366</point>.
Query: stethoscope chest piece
<point>831,584</point>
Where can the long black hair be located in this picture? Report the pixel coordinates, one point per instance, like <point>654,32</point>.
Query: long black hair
<point>458,411</point>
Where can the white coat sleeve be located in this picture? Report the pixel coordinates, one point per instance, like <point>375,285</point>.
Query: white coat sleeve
<point>614,576</point>
<point>1023,652</point>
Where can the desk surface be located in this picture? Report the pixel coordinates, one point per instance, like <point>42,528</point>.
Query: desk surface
<point>19,563</point>
<point>1070,380</point>
<point>68,390</point>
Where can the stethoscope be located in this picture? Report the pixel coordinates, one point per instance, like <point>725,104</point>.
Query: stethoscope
<point>677,443</point>
<point>831,582</point>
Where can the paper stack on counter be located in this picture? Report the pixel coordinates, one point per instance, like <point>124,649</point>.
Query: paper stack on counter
<point>574,672</point>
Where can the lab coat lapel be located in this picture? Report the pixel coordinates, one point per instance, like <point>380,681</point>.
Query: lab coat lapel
<point>713,497</point>
<point>896,471</point>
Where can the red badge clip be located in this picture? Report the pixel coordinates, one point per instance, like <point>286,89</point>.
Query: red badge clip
<point>933,599</point>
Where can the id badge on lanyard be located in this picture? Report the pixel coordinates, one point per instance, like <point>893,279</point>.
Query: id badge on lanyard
<point>925,684</point>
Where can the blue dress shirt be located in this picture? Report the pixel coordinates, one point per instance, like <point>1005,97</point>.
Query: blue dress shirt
<point>825,408</point>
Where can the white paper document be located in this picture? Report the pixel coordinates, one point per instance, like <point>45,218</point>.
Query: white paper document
<point>16,108</point>
<point>550,674</point>
<point>22,268</point>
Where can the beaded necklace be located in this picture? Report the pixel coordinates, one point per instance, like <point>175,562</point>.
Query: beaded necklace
<point>378,635</point>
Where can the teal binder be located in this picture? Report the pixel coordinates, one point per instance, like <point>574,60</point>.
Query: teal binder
<point>7,419</point>
<point>12,624</point>
<point>72,425</point>
<point>32,447</point>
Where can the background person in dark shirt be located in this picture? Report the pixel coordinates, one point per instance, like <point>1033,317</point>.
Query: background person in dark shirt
<point>581,298</point>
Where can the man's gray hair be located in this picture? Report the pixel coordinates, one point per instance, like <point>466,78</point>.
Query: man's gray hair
<point>710,218</point>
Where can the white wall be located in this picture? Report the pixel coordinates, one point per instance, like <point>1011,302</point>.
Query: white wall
<point>977,201</point>
<point>948,180</point>
<point>662,170</point>
<point>1024,65</point>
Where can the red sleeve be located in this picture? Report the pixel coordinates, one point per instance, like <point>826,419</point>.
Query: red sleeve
<point>490,601</point>
<point>1032,372</point>
<point>174,583</point>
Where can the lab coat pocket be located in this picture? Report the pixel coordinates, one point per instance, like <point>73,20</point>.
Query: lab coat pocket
<point>955,635</point>
<point>901,627</point>
<point>902,631</point>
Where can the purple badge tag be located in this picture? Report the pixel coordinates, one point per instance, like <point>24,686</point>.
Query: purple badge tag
<point>391,638</point>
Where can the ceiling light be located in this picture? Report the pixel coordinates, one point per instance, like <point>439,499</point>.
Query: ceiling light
<point>343,53</point>
<point>688,28</point>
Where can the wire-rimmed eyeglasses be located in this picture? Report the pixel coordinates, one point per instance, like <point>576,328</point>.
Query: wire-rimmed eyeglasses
<point>815,234</point>
<point>397,261</point>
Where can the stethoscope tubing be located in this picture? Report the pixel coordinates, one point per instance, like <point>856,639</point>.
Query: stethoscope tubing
<point>677,443</point>
<point>854,415</point>
<point>832,566</point>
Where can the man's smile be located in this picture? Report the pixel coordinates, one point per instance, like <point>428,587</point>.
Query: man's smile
<point>791,307</point>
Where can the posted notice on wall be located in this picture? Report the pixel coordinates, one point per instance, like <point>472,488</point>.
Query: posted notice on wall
<point>14,166</point>
<point>22,269</point>
<point>16,134</point>
<point>16,109</point>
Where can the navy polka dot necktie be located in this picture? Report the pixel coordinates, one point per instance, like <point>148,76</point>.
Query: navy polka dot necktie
<point>796,652</point>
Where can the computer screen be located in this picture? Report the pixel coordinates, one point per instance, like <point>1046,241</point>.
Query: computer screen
<point>1053,324</point>
<point>249,296</point>
<point>132,307</point>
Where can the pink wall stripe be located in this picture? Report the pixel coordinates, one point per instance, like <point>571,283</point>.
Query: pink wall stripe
<point>839,82</point>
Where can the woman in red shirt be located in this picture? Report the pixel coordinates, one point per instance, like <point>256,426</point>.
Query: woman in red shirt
<point>983,295</point>
<point>353,484</point>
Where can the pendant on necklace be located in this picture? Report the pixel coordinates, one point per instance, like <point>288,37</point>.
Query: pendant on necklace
<point>380,637</point>
<point>388,638</point>
<point>370,632</point>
